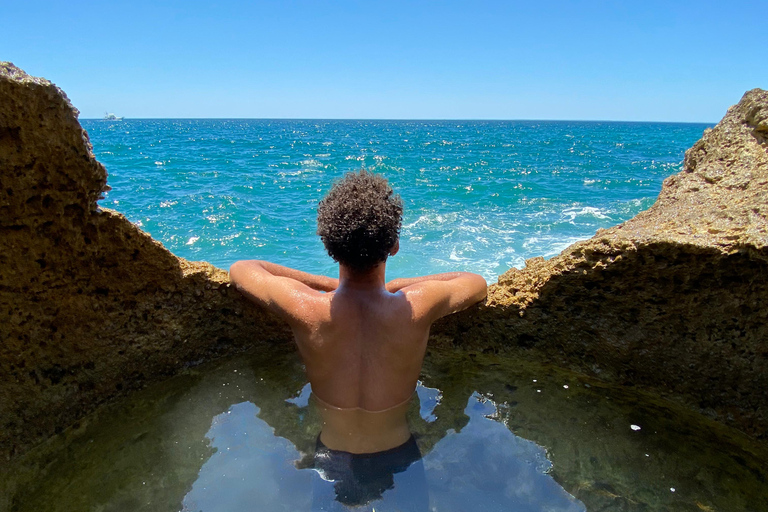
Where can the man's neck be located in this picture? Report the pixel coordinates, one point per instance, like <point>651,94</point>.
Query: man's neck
<point>371,280</point>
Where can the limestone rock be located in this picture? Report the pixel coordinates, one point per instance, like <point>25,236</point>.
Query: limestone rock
<point>90,306</point>
<point>674,300</point>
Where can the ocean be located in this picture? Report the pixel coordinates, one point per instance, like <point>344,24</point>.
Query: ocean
<point>480,196</point>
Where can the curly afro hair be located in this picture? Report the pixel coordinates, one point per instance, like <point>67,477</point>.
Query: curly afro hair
<point>359,220</point>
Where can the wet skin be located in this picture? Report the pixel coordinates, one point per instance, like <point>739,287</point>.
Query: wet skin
<point>362,340</point>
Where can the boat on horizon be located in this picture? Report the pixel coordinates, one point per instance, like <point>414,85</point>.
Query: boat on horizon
<point>109,116</point>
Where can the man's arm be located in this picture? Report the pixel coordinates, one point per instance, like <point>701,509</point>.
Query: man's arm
<point>438,295</point>
<point>400,283</point>
<point>316,282</point>
<point>281,289</point>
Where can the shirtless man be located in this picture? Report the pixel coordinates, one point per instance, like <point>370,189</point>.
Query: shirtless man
<point>362,339</point>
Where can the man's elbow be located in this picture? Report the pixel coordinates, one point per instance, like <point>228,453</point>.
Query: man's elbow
<point>237,272</point>
<point>480,287</point>
<point>234,269</point>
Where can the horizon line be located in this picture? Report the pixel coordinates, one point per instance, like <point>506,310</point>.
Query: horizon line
<point>391,119</point>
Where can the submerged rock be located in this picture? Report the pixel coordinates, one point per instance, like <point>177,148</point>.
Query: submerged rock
<point>91,307</point>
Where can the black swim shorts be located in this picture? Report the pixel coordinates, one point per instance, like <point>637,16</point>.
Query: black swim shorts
<point>360,478</point>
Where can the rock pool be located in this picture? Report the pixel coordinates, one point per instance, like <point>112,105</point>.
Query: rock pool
<point>495,434</point>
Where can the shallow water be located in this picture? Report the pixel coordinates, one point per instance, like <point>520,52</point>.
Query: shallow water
<point>494,434</point>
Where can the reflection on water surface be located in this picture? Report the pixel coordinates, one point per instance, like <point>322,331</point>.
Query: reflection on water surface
<point>494,435</point>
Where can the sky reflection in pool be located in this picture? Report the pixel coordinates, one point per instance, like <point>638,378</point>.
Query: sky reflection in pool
<point>495,434</point>
<point>482,467</point>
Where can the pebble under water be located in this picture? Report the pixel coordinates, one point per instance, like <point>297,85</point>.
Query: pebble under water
<point>495,434</point>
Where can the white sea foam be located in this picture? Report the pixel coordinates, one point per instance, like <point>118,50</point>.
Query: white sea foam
<point>548,245</point>
<point>457,253</point>
<point>312,164</point>
<point>571,213</point>
<point>432,220</point>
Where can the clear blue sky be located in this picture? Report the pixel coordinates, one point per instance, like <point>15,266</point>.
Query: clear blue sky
<point>623,60</point>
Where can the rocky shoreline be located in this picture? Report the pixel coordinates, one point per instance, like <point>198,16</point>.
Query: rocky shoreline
<point>673,301</point>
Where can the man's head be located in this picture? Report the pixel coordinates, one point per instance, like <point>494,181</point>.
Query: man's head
<point>359,220</point>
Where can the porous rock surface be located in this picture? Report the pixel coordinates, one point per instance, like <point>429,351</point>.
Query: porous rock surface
<point>674,300</point>
<point>91,307</point>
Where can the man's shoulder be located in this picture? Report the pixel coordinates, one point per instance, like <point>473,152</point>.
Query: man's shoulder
<point>420,299</point>
<point>309,307</point>
<point>434,298</point>
<point>284,291</point>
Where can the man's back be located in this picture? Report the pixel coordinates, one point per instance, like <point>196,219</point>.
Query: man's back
<point>362,341</point>
<point>363,349</point>
<point>363,352</point>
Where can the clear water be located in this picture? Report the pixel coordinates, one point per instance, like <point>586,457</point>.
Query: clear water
<point>480,196</point>
<point>495,435</point>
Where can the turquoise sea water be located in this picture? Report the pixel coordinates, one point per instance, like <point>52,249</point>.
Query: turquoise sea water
<point>481,196</point>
